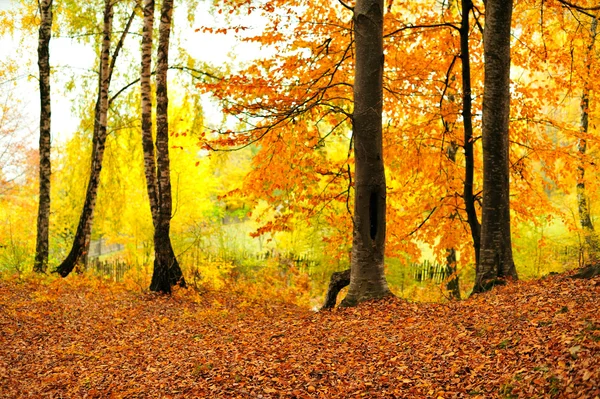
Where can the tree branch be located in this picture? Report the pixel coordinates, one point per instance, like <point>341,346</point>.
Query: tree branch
<point>579,8</point>
<point>406,27</point>
<point>120,43</point>
<point>176,67</point>
<point>346,5</point>
<point>423,222</point>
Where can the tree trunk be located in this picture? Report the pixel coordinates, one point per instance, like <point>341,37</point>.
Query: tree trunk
<point>111,68</point>
<point>43,219</point>
<point>496,263</point>
<point>591,241</point>
<point>468,197</point>
<point>166,268</point>
<point>82,235</point>
<point>338,281</point>
<point>452,285</point>
<point>367,277</point>
<point>146,94</point>
<point>81,242</point>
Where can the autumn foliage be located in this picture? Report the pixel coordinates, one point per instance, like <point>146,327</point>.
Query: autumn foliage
<point>295,105</point>
<point>262,205</point>
<point>285,166</point>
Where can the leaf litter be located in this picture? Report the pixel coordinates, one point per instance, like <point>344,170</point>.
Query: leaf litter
<point>86,338</point>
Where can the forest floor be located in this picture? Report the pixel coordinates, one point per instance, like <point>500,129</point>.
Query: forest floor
<point>83,337</point>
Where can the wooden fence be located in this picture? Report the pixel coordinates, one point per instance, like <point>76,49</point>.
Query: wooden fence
<point>114,269</point>
<point>569,254</point>
<point>300,261</point>
<point>428,271</point>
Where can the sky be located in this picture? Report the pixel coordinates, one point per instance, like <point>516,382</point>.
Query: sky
<point>69,57</point>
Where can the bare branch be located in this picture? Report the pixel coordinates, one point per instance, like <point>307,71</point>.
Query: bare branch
<point>422,223</point>
<point>175,67</point>
<point>579,8</point>
<point>346,5</point>
<point>120,43</point>
<point>426,26</point>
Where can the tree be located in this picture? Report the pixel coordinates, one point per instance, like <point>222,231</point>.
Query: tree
<point>496,260</point>
<point>293,105</point>
<point>146,106</point>
<point>468,144</point>
<point>158,175</point>
<point>583,205</point>
<point>107,63</point>
<point>367,276</point>
<point>43,219</point>
<point>469,198</point>
<point>15,143</point>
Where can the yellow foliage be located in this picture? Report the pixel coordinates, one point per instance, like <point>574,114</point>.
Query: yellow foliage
<point>210,274</point>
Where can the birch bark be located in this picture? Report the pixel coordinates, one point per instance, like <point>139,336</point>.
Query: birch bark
<point>43,219</point>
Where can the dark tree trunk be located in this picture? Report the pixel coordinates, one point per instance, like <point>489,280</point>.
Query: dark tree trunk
<point>166,268</point>
<point>367,277</point>
<point>496,263</point>
<point>591,241</point>
<point>587,272</point>
<point>43,219</point>
<point>452,285</point>
<point>338,281</point>
<point>81,242</point>
<point>468,196</point>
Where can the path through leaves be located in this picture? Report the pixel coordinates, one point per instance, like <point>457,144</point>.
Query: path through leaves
<point>87,338</point>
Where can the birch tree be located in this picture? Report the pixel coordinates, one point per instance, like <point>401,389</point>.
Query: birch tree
<point>157,166</point>
<point>43,218</point>
<point>81,240</point>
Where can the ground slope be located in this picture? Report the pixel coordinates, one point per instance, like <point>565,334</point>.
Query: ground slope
<point>85,338</point>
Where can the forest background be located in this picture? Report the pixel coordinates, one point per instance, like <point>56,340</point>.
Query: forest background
<point>260,142</point>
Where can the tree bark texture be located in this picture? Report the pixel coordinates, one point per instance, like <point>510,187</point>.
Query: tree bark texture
<point>468,196</point>
<point>367,277</point>
<point>111,68</point>
<point>43,219</point>
<point>338,281</point>
<point>82,235</point>
<point>146,95</point>
<point>452,284</point>
<point>81,242</point>
<point>166,267</point>
<point>591,241</point>
<point>496,263</point>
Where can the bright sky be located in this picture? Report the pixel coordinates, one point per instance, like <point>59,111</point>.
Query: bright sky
<point>78,58</point>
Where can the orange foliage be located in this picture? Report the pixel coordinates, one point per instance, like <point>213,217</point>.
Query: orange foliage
<point>296,110</point>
